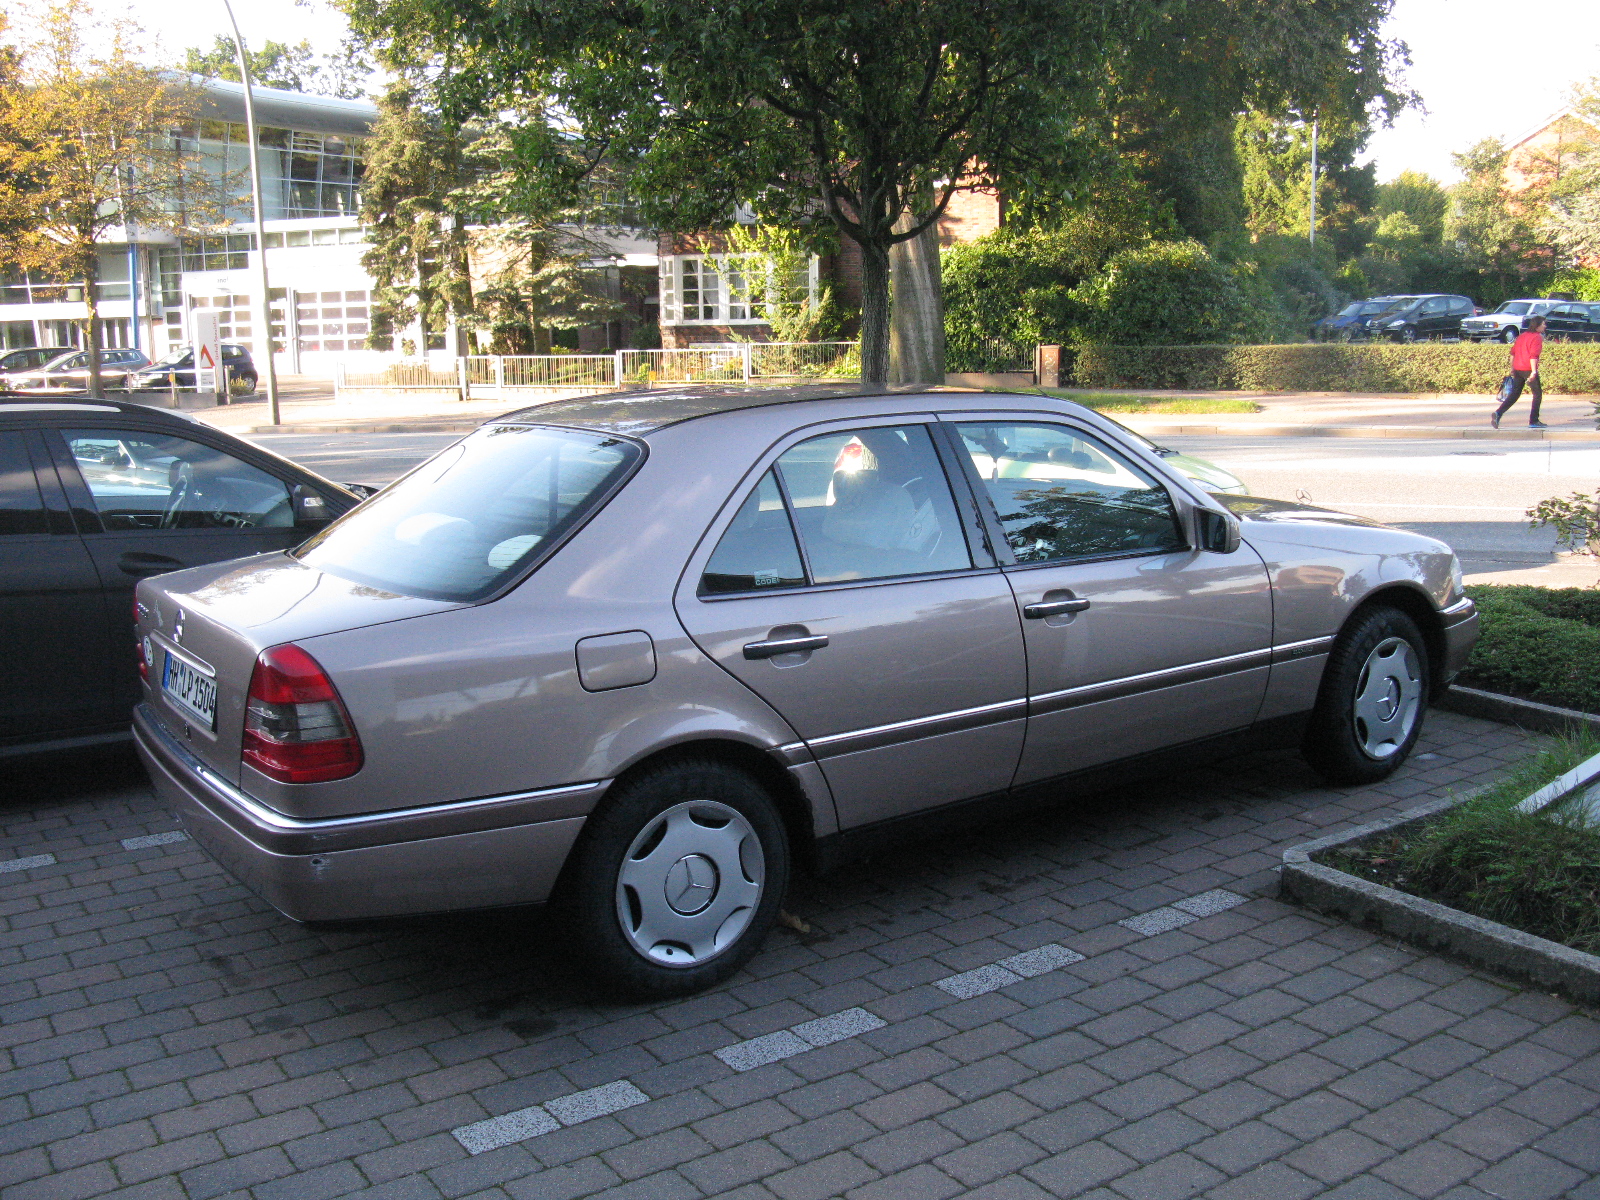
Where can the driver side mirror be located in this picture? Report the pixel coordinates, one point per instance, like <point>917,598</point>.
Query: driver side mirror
<point>311,509</point>
<point>1218,532</point>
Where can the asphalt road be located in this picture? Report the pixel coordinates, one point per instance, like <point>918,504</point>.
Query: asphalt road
<point>1471,495</point>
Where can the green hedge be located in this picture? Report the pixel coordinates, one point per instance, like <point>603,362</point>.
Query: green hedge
<point>1567,368</point>
<point>1540,644</point>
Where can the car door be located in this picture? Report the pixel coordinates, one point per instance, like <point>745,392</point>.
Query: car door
<point>151,502</point>
<point>841,586</point>
<point>58,641</point>
<point>1433,318</point>
<point>1460,309</point>
<point>1135,640</point>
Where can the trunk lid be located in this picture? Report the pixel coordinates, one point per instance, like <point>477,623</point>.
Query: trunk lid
<point>206,626</point>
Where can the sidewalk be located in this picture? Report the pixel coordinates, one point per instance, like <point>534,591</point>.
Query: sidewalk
<point>307,406</point>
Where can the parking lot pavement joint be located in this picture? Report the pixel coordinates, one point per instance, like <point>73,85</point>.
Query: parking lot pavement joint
<point>154,839</point>
<point>1183,912</point>
<point>27,864</point>
<point>797,1039</point>
<point>1013,969</point>
<point>539,1119</point>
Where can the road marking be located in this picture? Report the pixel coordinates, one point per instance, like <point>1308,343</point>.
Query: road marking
<point>1180,913</point>
<point>27,864</point>
<point>539,1119</point>
<point>1008,971</point>
<point>797,1039</point>
<point>154,839</point>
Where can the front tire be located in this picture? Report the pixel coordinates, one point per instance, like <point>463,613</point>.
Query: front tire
<point>1372,700</point>
<point>1509,335</point>
<point>677,879</point>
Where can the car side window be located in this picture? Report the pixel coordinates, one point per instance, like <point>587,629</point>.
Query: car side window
<point>758,549</point>
<point>143,480</point>
<point>1461,307</point>
<point>873,504</point>
<point>21,507</point>
<point>1433,307</point>
<point>1061,494</point>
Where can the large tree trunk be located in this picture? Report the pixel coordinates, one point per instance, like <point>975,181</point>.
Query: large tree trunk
<point>916,341</point>
<point>874,314</point>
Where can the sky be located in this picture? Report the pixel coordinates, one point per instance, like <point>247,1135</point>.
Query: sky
<point>1484,68</point>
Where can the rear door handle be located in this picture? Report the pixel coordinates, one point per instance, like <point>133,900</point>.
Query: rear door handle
<point>141,565</point>
<point>784,645</point>
<point>1049,608</point>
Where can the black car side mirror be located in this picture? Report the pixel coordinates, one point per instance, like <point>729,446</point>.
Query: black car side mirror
<point>311,508</point>
<point>1218,532</point>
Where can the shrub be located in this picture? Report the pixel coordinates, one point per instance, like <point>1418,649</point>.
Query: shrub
<point>1166,293</point>
<point>1011,287</point>
<point>1567,368</point>
<point>1538,872</point>
<point>1582,282</point>
<point>1541,644</point>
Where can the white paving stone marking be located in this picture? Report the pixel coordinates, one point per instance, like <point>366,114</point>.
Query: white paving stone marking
<point>1008,971</point>
<point>1182,912</point>
<point>154,839</point>
<point>27,864</point>
<point>483,1136</point>
<point>797,1039</point>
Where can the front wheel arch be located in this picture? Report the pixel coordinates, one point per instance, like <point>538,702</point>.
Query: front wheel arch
<point>1417,605</point>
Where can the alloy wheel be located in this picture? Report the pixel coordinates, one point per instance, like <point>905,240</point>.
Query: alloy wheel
<point>1388,698</point>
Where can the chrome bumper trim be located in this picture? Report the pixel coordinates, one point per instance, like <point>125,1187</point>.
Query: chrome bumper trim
<point>283,834</point>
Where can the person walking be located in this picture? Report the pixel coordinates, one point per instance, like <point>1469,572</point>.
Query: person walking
<point>1525,353</point>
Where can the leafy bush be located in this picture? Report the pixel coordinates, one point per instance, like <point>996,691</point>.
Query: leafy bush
<point>1164,294</point>
<point>1538,872</point>
<point>1541,644</point>
<point>1567,368</point>
<point>1012,287</point>
<point>1582,282</point>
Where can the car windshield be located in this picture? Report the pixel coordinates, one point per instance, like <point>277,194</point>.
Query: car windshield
<point>470,518</point>
<point>1372,307</point>
<point>1515,308</point>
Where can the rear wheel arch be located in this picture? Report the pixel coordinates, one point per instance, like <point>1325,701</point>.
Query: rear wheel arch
<point>793,806</point>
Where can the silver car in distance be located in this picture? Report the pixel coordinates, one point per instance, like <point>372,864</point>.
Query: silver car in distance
<point>640,655</point>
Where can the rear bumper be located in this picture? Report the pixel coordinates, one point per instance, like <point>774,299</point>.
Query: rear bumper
<point>1460,632</point>
<point>376,864</point>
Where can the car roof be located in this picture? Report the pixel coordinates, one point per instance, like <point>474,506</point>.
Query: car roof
<point>18,404</point>
<point>643,412</point>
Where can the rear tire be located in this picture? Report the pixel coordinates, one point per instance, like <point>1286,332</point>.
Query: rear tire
<point>1373,697</point>
<point>677,878</point>
<point>1509,335</point>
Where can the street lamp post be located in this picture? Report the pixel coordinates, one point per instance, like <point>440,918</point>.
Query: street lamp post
<point>264,311</point>
<point>1313,181</point>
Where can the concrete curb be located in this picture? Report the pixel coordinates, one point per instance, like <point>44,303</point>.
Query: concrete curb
<point>1413,432</point>
<point>1546,964</point>
<point>1508,710</point>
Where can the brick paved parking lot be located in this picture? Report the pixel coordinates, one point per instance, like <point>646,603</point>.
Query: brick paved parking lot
<point>1098,1001</point>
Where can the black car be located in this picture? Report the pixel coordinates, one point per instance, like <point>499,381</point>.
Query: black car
<point>177,370</point>
<point>1573,321</point>
<point>1426,319</point>
<point>1355,322</point>
<point>94,496</point>
<point>30,358</point>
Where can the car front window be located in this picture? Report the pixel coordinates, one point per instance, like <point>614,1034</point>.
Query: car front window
<point>472,517</point>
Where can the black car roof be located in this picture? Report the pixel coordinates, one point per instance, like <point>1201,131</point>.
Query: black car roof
<point>644,412</point>
<point>18,404</point>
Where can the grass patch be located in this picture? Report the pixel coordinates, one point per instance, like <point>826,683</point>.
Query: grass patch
<point>1113,402</point>
<point>1537,872</point>
<point>1539,644</point>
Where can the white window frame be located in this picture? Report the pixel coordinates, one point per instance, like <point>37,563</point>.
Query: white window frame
<point>712,288</point>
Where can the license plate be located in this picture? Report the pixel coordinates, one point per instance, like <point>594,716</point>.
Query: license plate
<point>190,692</point>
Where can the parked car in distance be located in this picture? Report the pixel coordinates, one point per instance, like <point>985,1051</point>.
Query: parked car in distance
<point>1573,321</point>
<point>1354,322</point>
<point>14,362</point>
<point>177,370</point>
<point>1505,322</point>
<point>1204,472</point>
<point>1426,319</point>
<point>640,655</point>
<point>94,496</point>
<point>70,371</point>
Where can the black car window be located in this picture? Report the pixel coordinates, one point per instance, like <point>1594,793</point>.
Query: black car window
<point>758,549</point>
<point>873,504</point>
<point>1060,494</point>
<point>1434,306</point>
<point>145,480</point>
<point>1461,307</point>
<point>21,507</point>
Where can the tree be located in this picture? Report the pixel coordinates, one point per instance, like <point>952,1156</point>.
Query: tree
<point>91,136</point>
<point>1421,198</point>
<point>870,115</point>
<point>1493,235</point>
<point>280,65</point>
<point>1573,220</point>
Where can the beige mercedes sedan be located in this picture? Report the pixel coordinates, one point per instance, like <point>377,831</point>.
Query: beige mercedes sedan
<point>641,655</point>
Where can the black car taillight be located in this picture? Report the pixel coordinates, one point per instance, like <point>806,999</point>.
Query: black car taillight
<point>296,729</point>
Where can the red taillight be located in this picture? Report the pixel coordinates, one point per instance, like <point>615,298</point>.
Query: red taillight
<point>296,729</point>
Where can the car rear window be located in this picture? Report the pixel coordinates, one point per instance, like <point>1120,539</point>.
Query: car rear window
<point>471,518</point>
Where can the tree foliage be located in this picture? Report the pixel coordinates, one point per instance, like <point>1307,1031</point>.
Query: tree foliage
<point>1493,235</point>
<point>294,68</point>
<point>1166,294</point>
<point>89,140</point>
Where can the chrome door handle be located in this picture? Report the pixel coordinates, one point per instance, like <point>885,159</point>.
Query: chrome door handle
<point>142,566</point>
<point>1049,608</point>
<point>784,645</point>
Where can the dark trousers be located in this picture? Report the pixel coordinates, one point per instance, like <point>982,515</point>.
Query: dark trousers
<point>1519,379</point>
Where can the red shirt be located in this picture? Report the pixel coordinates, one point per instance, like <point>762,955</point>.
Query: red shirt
<point>1525,350</point>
